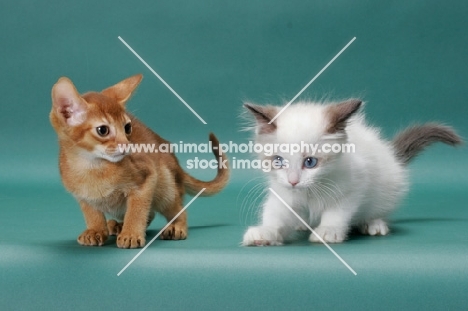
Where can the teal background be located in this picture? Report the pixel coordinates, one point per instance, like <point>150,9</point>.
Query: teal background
<point>409,63</point>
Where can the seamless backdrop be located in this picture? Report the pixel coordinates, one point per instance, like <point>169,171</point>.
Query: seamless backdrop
<point>409,64</point>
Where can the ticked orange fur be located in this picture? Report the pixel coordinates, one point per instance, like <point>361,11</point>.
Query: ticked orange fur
<point>104,180</point>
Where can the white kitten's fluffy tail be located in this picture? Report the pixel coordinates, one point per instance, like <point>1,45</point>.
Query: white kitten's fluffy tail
<point>410,142</point>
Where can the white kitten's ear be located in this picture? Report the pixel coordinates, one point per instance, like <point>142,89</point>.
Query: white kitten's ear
<point>263,116</point>
<point>338,115</point>
<point>67,103</point>
<point>123,90</point>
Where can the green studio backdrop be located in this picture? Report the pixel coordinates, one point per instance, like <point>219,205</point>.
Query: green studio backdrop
<point>408,63</point>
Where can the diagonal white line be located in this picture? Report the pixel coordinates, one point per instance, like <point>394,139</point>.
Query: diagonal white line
<point>313,79</point>
<point>162,80</point>
<point>308,227</point>
<point>159,233</point>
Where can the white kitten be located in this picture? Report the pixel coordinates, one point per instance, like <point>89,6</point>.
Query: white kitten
<point>333,192</point>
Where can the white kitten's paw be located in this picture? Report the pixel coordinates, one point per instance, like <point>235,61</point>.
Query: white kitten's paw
<point>262,236</point>
<point>375,227</point>
<point>329,235</point>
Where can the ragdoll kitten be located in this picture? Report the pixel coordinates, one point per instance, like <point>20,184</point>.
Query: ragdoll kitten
<point>334,192</point>
<point>106,180</point>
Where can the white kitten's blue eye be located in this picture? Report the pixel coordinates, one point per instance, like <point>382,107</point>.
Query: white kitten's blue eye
<point>278,162</point>
<point>310,162</point>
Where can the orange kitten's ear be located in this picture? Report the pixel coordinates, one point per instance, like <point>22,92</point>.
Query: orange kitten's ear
<point>67,103</point>
<point>263,115</point>
<point>124,89</point>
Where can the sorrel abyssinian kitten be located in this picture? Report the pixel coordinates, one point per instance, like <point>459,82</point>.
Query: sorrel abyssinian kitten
<point>105,180</point>
<point>334,192</point>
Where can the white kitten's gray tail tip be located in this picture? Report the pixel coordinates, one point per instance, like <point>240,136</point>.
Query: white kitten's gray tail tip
<point>413,140</point>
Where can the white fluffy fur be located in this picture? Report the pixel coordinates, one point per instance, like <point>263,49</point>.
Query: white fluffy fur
<point>345,190</point>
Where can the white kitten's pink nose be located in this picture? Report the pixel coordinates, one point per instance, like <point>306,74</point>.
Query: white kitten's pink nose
<point>293,178</point>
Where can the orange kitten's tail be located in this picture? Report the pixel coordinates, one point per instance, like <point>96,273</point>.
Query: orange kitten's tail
<point>413,140</point>
<point>193,185</point>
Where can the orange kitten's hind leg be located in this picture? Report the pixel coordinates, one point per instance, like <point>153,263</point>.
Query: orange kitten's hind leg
<point>178,229</point>
<point>114,227</point>
<point>151,216</point>
<point>96,233</point>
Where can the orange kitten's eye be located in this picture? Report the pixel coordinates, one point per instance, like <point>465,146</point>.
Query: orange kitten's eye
<point>102,130</point>
<point>128,128</point>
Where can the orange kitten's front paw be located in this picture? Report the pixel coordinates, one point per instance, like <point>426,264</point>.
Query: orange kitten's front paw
<point>91,237</point>
<point>174,232</point>
<point>114,227</point>
<point>130,240</point>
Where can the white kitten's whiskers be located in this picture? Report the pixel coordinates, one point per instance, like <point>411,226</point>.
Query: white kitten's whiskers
<point>251,200</point>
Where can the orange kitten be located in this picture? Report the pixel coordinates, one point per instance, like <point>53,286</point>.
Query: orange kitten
<point>104,180</point>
